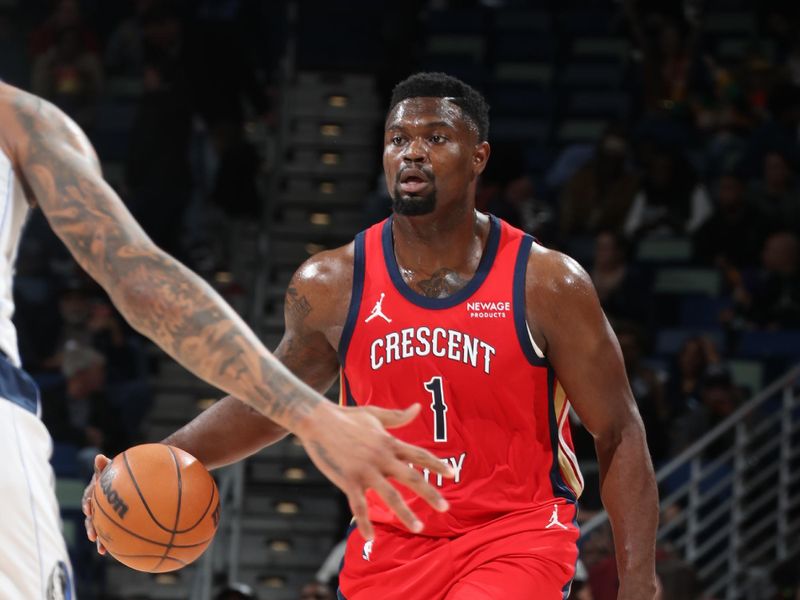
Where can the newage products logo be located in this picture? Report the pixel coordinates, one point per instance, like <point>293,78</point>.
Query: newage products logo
<point>488,310</point>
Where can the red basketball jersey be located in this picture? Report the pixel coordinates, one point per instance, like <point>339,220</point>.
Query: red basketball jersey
<point>492,407</point>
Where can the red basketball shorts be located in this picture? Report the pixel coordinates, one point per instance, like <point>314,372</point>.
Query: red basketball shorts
<point>522,556</point>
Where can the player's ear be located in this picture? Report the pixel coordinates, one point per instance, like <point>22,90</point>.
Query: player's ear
<point>480,156</point>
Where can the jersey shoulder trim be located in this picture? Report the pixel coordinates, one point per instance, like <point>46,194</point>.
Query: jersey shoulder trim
<point>529,348</point>
<point>355,296</point>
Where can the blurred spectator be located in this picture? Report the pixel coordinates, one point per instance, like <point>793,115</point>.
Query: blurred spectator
<point>125,50</point>
<point>600,193</point>
<point>507,191</point>
<point>671,67</point>
<point>648,390</point>
<point>78,412</point>
<point>786,578</point>
<point>734,233</point>
<point>236,591</point>
<point>66,15</point>
<point>316,591</point>
<point>672,200</point>
<point>157,171</point>
<point>781,131</point>
<point>581,590</point>
<point>92,321</point>
<point>777,196</point>
<point>695,357</point>
<point>770,296</point>
<point>70,76</point>
<point>234,190</point>
<point>719,398</point>
<point>620,286</point>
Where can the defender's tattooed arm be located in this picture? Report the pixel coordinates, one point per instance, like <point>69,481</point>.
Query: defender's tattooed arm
<point>175,308</point>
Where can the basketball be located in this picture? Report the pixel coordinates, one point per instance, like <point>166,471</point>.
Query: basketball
<point>155,508</point>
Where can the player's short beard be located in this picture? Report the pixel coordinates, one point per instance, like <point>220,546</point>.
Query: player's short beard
<point>412,206</point>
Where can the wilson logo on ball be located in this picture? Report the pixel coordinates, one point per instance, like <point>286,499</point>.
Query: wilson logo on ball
<point>117,503</point>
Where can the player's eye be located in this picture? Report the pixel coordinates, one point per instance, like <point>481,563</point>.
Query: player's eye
<point>438,139</point>
<point>397,140</point>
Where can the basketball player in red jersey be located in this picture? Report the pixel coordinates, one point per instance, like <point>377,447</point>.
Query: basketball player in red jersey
<point>493,334</point>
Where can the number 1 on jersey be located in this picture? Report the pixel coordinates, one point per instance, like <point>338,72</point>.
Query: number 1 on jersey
<point>439,408</point>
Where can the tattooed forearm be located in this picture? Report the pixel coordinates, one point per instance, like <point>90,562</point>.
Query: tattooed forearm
<point>158,296</point>
<point>443,283</point>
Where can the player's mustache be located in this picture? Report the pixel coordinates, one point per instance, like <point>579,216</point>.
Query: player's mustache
<point>425,170</point>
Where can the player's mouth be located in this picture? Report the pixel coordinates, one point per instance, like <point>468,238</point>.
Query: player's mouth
<point>413,181</point>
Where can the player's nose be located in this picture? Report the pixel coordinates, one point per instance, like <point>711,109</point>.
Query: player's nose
<point>415,151</point>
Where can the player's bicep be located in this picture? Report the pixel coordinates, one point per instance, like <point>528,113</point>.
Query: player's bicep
<point>582,348</point>
<point>304,348</point>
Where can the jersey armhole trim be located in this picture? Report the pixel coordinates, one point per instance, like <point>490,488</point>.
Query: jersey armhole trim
<point>359,258</point>
<point>529,347</point>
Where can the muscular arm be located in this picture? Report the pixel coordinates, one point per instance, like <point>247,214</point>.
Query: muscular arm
<point>575,335</point>
<point>316,302</point>
<point>158,296</point>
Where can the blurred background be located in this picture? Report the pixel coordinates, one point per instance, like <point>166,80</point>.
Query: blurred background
<point>657,142</point>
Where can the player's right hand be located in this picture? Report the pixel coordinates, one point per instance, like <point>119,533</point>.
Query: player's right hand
<point>353,449</point>
<point>100,463</point>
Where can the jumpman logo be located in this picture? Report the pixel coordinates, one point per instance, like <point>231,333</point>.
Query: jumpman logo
<point>377,311</point>
<point>367,550</point>
<point>554,522</point>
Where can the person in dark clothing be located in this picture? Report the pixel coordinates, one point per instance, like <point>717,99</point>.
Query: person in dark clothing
<point>77,411</point>
<point>770,296</point>
<point>620,286</point>
<point>733,235</point>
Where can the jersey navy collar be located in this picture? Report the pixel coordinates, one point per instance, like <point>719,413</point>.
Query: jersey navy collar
<point>484,266</point>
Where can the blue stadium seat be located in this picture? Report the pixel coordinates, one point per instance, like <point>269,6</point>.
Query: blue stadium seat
<point>522,20</point>
<point>456,21</point>
<point>770,344</point>
<point>612,104</point>
<point>592,75</point>
<point>701,311</point>
<point>669,341</point>
<point>524,46</point>
<point>512,100</point>
<point>65,460</point>
<point>519,130</point>
<point>585,22</point>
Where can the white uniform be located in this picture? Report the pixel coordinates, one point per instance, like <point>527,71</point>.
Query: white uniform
<point>33,557</point>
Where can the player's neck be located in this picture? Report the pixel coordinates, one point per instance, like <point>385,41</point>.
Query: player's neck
<point>434,241</point>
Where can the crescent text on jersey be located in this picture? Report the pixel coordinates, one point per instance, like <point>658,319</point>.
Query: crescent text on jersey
<point>489,310</point>
<point>439,342</point>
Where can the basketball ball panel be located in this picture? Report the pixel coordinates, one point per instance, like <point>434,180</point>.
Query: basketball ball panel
<point>138,562</point>
<point>156,475</point>
<point>187,555</point>
<point>117,539</point>
<point>200,497</point>
<point>116,497</point>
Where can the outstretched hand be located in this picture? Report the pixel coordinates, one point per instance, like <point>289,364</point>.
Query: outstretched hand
<point>100,463</point>
<point>353,449</point>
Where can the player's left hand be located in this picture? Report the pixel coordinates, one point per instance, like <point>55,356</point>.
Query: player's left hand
<point>100,463</point>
